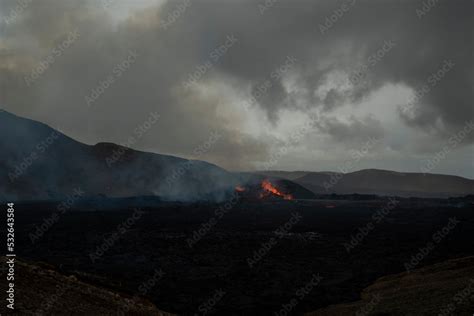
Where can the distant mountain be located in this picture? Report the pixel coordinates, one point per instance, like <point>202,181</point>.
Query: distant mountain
<point>289,175</point>
<point>382,182</point>
<point>38,162</point>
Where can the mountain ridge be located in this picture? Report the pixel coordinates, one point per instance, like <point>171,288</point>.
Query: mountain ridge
<point>382,182</point>
<point>367,169</point>
<point>39,162</point>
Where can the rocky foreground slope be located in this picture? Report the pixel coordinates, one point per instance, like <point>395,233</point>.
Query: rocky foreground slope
<point>442,289</point>
<point>40,290</point>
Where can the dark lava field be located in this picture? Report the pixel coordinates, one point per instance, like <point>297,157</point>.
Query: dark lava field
<point>244,257</point>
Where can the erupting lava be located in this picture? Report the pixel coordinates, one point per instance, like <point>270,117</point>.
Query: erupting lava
<point>268,187</point>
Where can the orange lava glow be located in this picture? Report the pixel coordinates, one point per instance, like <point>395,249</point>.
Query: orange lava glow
<point>268,187</point>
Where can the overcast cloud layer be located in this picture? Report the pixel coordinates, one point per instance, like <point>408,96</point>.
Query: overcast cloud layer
<point>292,85</point>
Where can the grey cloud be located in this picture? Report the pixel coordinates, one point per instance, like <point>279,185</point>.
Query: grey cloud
<point>291,28</point>
<point>354,131</point>
<point>168,55</point>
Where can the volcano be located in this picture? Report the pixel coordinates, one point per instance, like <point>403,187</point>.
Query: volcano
<point>41,163</point>
<point>269,189</point>
<point>260,188</point>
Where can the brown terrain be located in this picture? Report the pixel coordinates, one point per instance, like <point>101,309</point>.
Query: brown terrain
<point>445,288</point>
<point>40,290</point>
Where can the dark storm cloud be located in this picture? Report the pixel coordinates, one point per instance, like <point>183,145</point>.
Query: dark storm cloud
<point>172,41</point>
<point>423,42</point>
<point>153,83</point>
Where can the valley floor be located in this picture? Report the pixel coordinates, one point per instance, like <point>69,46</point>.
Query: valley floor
<point>257,258</point>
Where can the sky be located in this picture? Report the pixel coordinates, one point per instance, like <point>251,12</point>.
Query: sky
<point>251,85</point>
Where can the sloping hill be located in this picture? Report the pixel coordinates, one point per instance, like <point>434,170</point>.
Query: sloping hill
<point>39,162</point>
<point>446,288</point>
<point>43,291</point>
<point>384,182</point>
